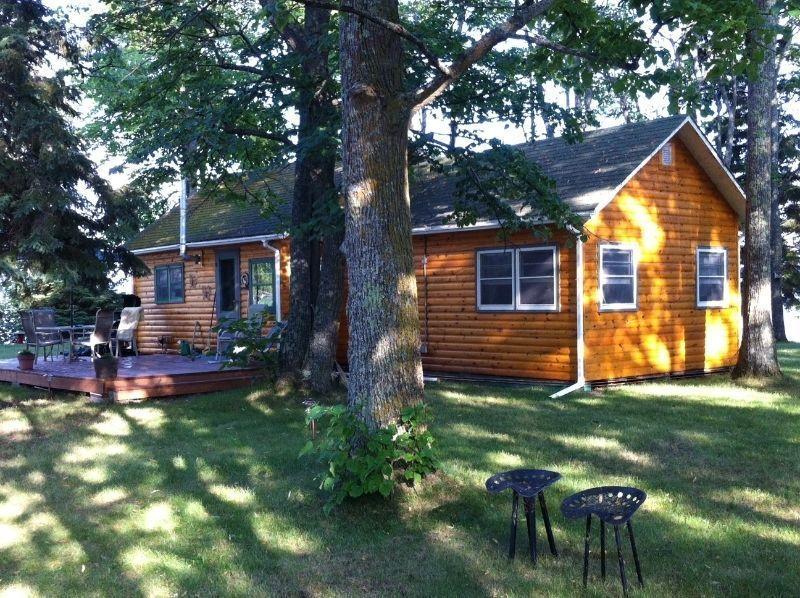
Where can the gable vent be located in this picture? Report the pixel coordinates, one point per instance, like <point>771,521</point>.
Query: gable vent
<point>666,155</point>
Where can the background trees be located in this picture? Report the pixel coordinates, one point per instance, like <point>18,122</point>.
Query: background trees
<point>61,225</point>
<point>217,92</point>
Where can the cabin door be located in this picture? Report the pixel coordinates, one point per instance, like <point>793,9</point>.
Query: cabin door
<point>228,291</point>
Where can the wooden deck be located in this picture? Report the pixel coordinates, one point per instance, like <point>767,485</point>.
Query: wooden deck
<point>143,377</point>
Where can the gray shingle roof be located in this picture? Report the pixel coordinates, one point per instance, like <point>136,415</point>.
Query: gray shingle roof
<point>585,174</point>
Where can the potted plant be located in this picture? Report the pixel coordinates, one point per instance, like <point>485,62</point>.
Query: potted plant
<point>25,359</point>
<point>105,366</point>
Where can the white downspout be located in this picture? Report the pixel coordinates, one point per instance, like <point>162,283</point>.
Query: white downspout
<point>184,199</point>
<point>276,252</point>
<point>580,345</point>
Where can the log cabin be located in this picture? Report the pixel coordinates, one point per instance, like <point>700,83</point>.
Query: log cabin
<point>651,288</point>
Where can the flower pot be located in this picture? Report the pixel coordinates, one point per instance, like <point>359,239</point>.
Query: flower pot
<point>105,368</point>
<point>26,361</point>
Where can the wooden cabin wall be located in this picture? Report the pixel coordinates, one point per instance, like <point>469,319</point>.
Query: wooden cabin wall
<point>177,320</point>
<point>667,212</point>
<point>460,339</point>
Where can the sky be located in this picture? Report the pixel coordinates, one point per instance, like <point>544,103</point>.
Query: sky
<point>80,10</point>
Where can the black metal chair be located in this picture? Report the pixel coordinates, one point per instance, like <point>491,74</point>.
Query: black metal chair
<point>612,505</point>
<point>527,483</point>
<point>31,322</point>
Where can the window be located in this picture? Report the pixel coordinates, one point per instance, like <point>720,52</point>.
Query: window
<point>617,277</point>
<point>536,278</point>
<point>666,155</point>
<point>262,283</point>
<point>522,279</point>
<point>496,279</point>
<point>169,283</point>
<point>711,276</point>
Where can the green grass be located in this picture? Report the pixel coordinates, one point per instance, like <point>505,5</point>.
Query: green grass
<point>206,496</point>
<point>7,351</point>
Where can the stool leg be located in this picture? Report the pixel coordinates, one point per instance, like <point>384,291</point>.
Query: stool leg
<point>586,550</point>
<point>530,519</point>
<point>621,562</point>
<point>635,555</point>
<point>547,527</point>
<point>512,545</point>
<point>603,549</point>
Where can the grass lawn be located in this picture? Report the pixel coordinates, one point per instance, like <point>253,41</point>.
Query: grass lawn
<point>206,496</point>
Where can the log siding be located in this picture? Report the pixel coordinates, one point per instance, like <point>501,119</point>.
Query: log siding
<point>666,211</point>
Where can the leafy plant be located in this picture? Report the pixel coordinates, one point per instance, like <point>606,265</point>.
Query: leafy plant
<point>359,461</point>
<point>25,353</point>
<point>248,345</point>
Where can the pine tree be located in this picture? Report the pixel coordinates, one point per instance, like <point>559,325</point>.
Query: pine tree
<point>58,217</point>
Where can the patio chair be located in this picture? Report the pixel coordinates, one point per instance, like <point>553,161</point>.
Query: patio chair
<point>101,335</point>
<point>35,338</point>
<point>126,331</point>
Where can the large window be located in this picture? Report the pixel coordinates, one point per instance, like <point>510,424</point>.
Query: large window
<point>262,283</point>
<point>169,283</point>
<point>711,276</point>
<point>617,277</point>
<point>524,279</point>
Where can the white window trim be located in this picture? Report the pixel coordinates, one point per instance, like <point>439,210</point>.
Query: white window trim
<point>517,269</point>
<point>710,304</point>
<point>516,304</point>
<point>491,307</point>
<point>602,277</point>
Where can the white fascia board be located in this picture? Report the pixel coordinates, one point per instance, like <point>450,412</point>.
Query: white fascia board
<point>212,243</point>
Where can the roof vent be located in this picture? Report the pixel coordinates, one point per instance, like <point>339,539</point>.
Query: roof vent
<point>666,155</point>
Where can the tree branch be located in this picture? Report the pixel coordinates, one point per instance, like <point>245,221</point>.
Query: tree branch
<point>255,132</point>
<point>396,28</point>
<point>544,42</point>
<point>290,32</point>
<point>522,15</point>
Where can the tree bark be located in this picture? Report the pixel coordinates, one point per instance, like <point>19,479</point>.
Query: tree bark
<point>384,351</point>
<point>314,184</point>
<point>757,355</point>
<point>776,232</point>
<point>327,312</point>
<point>778,323</point>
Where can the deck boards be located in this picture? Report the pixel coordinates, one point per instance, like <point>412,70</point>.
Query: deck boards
<point>143,377</point>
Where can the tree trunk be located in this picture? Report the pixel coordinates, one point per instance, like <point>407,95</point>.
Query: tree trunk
<point>325,333</point>
<point>778,324</point>
<point>776,232</point>
<point>757,355</point>
<point>384,353</point>
<point>314,183</point>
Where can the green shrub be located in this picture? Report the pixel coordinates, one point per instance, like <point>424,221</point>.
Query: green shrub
<point>249,347</point>
<point>358,461</point>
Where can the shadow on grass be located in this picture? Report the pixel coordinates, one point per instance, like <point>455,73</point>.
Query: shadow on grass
<point>207,495</point>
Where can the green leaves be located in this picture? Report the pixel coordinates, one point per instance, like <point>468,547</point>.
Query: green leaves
<point>359,461</point>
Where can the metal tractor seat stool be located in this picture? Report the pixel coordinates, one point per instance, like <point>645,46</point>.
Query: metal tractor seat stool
<point>527,483</point>
<point>612,505</point>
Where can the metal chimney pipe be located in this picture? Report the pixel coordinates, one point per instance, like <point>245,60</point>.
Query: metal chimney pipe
<point>184,199</point>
